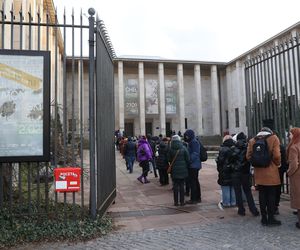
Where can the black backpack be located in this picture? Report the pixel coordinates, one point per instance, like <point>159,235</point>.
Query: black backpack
<point>203,153</point>
<point>261,157</point>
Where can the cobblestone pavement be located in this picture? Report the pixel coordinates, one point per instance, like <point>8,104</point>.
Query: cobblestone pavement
<point>145,218</point>
<point>236,233</point>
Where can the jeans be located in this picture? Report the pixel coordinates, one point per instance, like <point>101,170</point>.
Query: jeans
<point>228,196</point>
<point>130,161</point>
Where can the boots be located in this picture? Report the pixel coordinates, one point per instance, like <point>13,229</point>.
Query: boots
<point>146,180</point>
<point>140,179</point>
<point>273,222</point>
<point>264,220</point>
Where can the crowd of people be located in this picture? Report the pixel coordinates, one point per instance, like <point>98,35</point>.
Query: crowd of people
<point>241,163</point>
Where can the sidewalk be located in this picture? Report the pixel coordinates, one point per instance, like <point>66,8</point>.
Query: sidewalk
<point>148,206</point>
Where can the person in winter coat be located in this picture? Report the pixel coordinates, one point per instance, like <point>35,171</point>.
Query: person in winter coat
<point>225,172</point>
<point>241,176</point>
<point>152,144</point>
<point>267,178</point>
<point>179,155</point>
<point>144,155</point>
<point>194,166</point>
<point>162,162</point>
<point>282,169</point>
<point>129,154</point>
<point>293,156</point>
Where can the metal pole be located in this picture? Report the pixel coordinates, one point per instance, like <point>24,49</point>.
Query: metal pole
<point>91,12</point>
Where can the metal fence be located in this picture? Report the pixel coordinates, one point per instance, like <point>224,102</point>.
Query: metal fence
<point>27,188</point>
<point>272,90</point>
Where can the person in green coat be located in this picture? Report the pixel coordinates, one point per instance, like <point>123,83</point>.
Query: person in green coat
<point>179,155</point>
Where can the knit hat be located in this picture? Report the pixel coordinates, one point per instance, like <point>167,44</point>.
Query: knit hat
<point>241,136</point>
<point>176,138</point>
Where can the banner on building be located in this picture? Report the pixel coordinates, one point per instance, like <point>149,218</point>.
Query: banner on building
<point>151,96</point>
<point>131,97</point>
<point>171,96</point>
<point>24,106</point>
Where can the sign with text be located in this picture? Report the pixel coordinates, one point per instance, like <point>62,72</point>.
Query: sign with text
<point>131,97</point>
<point>67,179</point>
<point>24,105</point>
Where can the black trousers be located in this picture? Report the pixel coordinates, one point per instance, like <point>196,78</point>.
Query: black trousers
<point>267,196</point>
<point>178,190</point>
<point>194,184</point>
<point>278,190</point>
<point>145,167</point>
<point>163,176</point>
<point>244,183</point>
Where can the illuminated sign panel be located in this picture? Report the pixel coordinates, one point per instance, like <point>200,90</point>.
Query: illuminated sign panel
<point>24,105</point>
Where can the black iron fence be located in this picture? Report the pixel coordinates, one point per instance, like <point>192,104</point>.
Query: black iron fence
<point>272,90</point>
<point>28,187</point>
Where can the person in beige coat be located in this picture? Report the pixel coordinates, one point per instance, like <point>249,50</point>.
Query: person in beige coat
<point>267,178</point>
<point>293,155</point>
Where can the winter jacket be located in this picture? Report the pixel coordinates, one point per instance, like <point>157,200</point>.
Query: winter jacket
<point>268,176</point>
<point>294,175</point>
<point>130,148</point>
<point>181,163</point>
<point>193,149</point>
<point>144,152</point>
<point>224,163</point>
<point>162,158</point>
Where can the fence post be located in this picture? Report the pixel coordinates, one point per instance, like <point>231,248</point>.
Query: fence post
<point>91,12</point>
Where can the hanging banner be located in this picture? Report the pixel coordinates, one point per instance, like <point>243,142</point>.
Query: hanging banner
<point>131,97</point>
<point>151,96</point>
<point>171,96</point>
<point>24,106</point>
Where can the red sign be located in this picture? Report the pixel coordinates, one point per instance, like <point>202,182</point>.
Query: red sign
<point>67,179</point>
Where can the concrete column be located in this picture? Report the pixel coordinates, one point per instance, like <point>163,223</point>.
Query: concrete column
<point>197,77</point>
<point>230,101</point>
<point>215,101</point>
<point>142,98</point>
<point>181,97</point>
<point>121,96</point>
<point>242,96</point>
<point>162,99</point>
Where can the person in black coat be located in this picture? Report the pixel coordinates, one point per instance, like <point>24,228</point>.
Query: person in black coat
<point>224,168</point>
<point>241,176</point>
<point>130,153</point>
<point>162,162</point>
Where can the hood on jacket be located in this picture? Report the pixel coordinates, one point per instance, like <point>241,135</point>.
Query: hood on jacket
<point>176,145</point>
<point>189,135</point>
<point>228,143</point>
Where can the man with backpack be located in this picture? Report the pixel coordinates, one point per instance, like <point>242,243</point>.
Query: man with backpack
<point>263,152</point>
<point>195,165</point>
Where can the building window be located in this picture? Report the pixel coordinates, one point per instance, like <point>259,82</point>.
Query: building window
<point>237,118</point>
<point>185,123</point>
<point>227,119</point>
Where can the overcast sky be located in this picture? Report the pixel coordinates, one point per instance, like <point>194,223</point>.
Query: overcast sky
<point>204,30</point>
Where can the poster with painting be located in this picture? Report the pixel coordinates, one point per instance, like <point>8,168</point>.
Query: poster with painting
<point>151,96</point>
<point>171,96</point>
<point>24,106</point>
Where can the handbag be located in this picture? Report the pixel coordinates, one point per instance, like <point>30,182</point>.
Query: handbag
<point>171,165</point>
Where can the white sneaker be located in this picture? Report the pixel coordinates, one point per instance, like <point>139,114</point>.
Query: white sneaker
<point>220,206</point>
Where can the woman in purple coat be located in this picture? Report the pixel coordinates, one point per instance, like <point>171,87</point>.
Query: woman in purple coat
<point>144,155</point>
